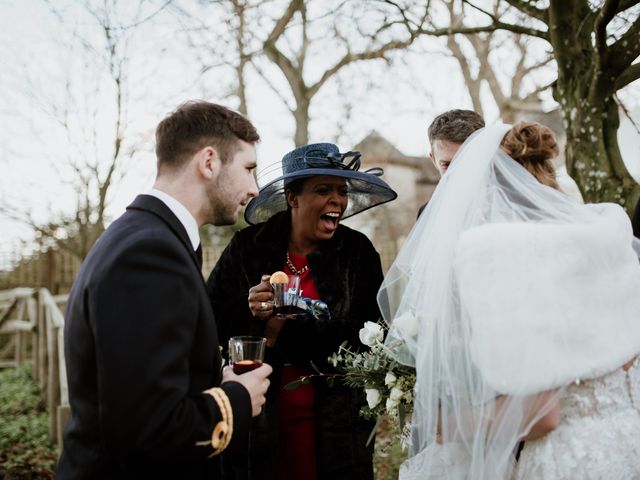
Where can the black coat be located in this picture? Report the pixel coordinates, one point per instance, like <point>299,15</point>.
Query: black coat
<point>347,274</point>
<point>141,346</point>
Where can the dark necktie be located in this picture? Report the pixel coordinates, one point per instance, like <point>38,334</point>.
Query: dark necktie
<point>199,255</point>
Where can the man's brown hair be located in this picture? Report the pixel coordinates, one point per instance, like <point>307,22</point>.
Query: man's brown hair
<point>197,124</point>
<point>454,126</point>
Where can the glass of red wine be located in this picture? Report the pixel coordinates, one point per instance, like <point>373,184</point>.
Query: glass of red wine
<point>246,353</point>
<point>285,297</point>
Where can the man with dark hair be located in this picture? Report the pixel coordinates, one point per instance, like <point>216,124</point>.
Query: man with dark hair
<point>447,133</point>
<point>148,395</point>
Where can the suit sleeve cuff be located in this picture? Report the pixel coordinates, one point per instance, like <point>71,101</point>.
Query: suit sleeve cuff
<point>241,405</point>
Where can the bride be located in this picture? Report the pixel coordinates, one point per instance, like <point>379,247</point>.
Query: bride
<point>528,307</point>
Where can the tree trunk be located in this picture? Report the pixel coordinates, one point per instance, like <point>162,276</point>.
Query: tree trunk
<point>591,117</point>
<point>593,155</point>
<point>239,12</point>
<point>301,116</point>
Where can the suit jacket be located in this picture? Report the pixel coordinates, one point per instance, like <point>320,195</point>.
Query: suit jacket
<point>347,273</point>
<point>141,346</point>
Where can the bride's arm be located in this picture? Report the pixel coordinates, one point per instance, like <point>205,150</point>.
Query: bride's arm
<point>546,424</point>
<point>541,427</point>
<point>549,422</point>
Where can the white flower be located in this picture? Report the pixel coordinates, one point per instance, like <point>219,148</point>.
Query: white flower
<point>391,405</point>
<point>407,324</point>
<point>408,397</point>
<point>389,379</point>
<point>396,394</point>
<point>373,397</point>
<point>371,334</point>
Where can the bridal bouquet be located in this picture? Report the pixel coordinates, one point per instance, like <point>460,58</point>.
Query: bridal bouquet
<point>388,384</point>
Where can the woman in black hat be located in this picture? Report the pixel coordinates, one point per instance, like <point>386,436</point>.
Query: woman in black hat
<point>313,431</point>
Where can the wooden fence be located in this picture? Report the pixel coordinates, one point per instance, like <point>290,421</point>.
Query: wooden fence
<point>56,270</point>
<point>31,328</point>
<point>52,269</point>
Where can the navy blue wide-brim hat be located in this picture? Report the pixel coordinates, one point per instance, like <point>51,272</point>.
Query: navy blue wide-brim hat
<point>366,189</point>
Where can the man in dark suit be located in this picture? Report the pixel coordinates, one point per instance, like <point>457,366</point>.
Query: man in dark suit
<point>447,133</point>
<point>148,395</point>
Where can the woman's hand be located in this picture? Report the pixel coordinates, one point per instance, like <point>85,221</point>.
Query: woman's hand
<point>261,298</point>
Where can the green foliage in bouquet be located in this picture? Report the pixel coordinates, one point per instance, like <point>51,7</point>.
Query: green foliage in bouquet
<point>388,384</point>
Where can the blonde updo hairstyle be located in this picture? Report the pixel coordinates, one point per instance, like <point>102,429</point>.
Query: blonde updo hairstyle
<point>533,146</point>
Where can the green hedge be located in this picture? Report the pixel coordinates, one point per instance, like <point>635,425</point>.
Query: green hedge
<point>25,450</point>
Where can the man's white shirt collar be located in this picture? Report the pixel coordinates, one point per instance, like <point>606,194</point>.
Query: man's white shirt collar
<point>180,211</point>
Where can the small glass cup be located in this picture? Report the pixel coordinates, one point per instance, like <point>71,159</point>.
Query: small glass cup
<point>285,297</point>
<point>246,353</point>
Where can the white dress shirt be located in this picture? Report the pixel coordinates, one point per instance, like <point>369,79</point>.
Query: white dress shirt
<point>180,211</point>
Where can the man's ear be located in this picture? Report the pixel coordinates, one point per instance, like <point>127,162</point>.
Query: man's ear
<point>208,162</point>
<point>292,199</point>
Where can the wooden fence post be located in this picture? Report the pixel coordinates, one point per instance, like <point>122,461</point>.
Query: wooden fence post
<point>50,281</point>
<point>32,315</point>
<point>64,410</point>
<point>21,337</point>
<point>42,346</point>
<point>53,382</point>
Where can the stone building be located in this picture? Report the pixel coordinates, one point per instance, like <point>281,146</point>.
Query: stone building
<point>413,178</point>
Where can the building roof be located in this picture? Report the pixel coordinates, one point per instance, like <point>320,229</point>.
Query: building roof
<point>377,150</point>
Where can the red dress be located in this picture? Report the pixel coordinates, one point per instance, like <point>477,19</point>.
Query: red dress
<point>296,421</point>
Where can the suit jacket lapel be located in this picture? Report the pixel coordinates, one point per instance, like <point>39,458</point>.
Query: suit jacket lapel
<point>156,206</point>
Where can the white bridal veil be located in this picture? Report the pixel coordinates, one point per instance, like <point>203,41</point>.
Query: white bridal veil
<point>505,291</point>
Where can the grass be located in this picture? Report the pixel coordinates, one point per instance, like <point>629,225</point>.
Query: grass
<point>25,449</point>
<point>388,453</point>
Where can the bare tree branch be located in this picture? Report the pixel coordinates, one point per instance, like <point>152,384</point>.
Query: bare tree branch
<point>626,49</point>
<point>239,7</point>
<point>283,21</point>
<point>626,4</point>
<point>604,17</point>
<point>273,88</point>
<point>538,65</point>
<point>631,74</point>
<point>527,7</point>
<point>89,171</point>
<point>304,47</point>
<point>473,84</point>
<point>496,25</point>
<point>354,57</point>
<point>275,55</point>
<point>533,96</point>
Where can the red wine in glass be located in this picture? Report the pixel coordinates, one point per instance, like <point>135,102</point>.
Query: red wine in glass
<point>244,366</point>
<point>286,311</point>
